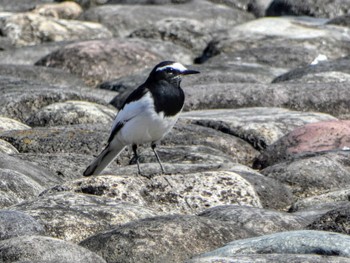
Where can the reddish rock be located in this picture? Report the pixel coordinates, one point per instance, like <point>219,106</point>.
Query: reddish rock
<point>310,138</point>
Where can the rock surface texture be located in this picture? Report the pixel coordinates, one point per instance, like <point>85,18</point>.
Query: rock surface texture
<point>257,166</point>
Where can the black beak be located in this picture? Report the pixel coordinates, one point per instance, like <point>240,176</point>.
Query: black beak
<point>188,72</point>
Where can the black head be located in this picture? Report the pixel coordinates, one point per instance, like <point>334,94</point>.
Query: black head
<point>170,71</point>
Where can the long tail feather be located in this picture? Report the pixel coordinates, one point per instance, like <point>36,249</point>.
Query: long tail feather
<point>111,152</point>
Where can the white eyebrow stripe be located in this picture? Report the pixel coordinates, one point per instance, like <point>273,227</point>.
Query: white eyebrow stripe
<point>176,66</point>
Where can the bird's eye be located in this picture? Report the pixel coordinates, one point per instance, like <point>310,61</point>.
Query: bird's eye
<point>171,70</point>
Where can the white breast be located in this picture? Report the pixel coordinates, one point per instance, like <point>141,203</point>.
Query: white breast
<point>141,122</point>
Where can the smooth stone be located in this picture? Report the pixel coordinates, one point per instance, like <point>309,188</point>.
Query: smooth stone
<point>289,242</point>
<point>16,224</point>
<point>31,29</point>
<point>259,126</point>
<point>70,113</point>
<point>312,138</point>
<point>87,214</point>
<point>312,175</point>
<point>258,220</point>
<point>45,249</point>
<point>148,240</point>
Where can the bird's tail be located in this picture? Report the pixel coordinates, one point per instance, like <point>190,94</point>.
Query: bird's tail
<point>111,152</point>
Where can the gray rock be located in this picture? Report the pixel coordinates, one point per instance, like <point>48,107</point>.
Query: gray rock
<point>269,258</point>
<point>313,175</point>
<point>16,187</point>
<point>28,55</point>
<point>39,174</point>
<point>7,148</point>
<point>336,220</point>
<point>148,240</point>
<point>188,33</point>
<point>257,56</point>
<point>308,8</point>
<point>290,242</point>
<point>216,17</point>
<point>306,36</point>
<point>337,71</point>
<point>99,60</point>
<point>259,126</point>
<point>43,75</point>
<point>87,214</point>
<point>54,139</point>
<point>15,224</point>
<point>30,29</point>
<point>257,220</point>
<point>72,112</point>
<point>20,98</point>
<point>329,197</point>
<point>7,124</point>
<point>176,193</point>
<point>45,249</point>
<point>272,193</point>
<point>294,96</point>
<point>65,10</point>
<point>340,21</point>
<point>22,6</point>
<point>185,133</point>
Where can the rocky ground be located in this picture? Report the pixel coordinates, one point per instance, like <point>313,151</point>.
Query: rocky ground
<point>258,166</point>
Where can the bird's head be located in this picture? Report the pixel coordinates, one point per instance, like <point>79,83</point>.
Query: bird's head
<point>170,71</point>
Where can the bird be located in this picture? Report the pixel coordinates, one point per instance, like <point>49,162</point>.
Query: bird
<point>146,116</point>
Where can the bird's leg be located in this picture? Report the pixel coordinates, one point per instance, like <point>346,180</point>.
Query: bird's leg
<point>153,146</point>
<point>135,158</point>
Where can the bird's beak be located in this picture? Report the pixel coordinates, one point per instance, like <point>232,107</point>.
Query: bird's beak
<point>188,72</point>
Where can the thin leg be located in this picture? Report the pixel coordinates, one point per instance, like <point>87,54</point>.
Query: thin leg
<point>153,146</point>
<point>135,158</point>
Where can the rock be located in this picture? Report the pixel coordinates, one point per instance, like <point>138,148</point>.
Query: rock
<point>64,10</point>
<point>186,134</point>
<point>7,124</point>
<point>54,140</point>
<point>340,20</point>
<point>216,17</point>
<point>20,98</point>
<point>261,127</point>
<point>266,258</point>
<point>337,70</point>
<point>7,148</point>
<point>272,193</point>
<point>336,220</point>
<point>177,193</point>
<point>299,35</point>
<point>308,8</point>
<point>98,60</point>
<point>308,139</point>
<point>294,96</point>
<point>72,112</point>
<point>188,235</point>
<point>28,55</point>
<point>257,220</point>
<point>313,175</point>
<point>30,29</point>
<point>43,75</point>
<point>16,187</point>
<point>16,224</point>
<point>330,197</point>
<point>277,58</point>
<point>40,175</point>
<point>22,6</point>
<point>189,33</point>
<point>88,214</point>
<point>290,242</point>
<point>44,249</point>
